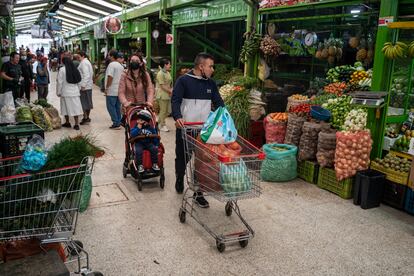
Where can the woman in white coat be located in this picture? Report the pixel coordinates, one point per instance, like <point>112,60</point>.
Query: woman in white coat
<point>68,89</point>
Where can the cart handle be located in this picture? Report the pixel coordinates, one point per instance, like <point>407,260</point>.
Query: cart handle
<point>193,123</point>
<point>140,137</point>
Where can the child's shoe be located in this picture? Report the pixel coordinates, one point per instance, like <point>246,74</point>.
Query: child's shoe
<point>141,169</point>
<point>155,167</point>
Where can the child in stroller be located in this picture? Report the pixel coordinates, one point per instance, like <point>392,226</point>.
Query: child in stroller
<point>151,144</point>
<point>143,149</point>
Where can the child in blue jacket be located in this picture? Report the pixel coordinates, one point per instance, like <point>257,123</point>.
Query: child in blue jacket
<point>143,128</point>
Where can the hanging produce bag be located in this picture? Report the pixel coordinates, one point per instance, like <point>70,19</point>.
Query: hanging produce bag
<point>219,128</point>
<point>326,148</point>
<point>275,127</point>
<point>280,164</point>
<point>234,178</point>
<point>352,153</point>
<point>86,193</point>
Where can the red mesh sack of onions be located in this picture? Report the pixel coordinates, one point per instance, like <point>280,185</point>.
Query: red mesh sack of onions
<point>352,153</point>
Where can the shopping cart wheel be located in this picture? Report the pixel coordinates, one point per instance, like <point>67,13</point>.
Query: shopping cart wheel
<point>139,183</point>
<point>243,243</point>
<point>162,179</point>
<point>181,215</point>
<point>73,250</point>
<point>220,246</point>
<point>228,208</point>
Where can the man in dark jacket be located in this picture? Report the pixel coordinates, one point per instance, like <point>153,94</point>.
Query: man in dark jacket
<point>192,98</point>
<point>27,74</point>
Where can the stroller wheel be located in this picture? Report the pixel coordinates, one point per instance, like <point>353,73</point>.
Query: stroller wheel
<point>139,183</point>
<point>124,171</point>
<point>162,179</point>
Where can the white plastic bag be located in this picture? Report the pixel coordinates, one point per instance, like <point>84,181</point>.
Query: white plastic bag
<point>7,108</point>
<point>219,128</point>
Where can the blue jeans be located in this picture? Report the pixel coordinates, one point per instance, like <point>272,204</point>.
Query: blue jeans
<point>139,150</point>
<point>114,108</point>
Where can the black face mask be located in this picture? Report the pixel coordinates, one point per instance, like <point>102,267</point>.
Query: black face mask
<point>135,65</point>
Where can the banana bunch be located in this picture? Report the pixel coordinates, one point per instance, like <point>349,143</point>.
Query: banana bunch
<point>250,47</point>
<point>393,51</point>
<point>410,50</point>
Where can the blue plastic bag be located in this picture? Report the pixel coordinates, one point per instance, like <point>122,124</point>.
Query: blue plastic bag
<point>219,128</point>
<point>35,154</point>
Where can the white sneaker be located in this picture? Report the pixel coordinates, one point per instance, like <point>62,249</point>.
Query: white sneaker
<point>164,128</point>
<point>141,169</point>
<point>155,167</point>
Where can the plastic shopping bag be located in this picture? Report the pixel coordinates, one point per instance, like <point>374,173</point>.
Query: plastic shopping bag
<point>234,178</point>
<point>35,154</point>
<point>7,108</point>
<point>219,128</point>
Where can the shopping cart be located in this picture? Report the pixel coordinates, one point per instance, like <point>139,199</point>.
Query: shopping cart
<point>45,206</point>
<point>208,170</point>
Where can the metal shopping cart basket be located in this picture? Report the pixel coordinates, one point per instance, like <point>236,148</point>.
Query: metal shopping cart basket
<point>227,179</point>
<point>45,206</point>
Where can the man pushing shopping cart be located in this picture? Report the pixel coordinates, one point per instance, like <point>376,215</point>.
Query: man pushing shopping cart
<point>228,170</point>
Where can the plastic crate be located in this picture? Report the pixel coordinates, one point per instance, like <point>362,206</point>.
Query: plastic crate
<point>308,171</point>
<point>391,175</point>
<point>13,138</point>
<point>327,181</point>
<point>368,188</point>
<point>394,194</point>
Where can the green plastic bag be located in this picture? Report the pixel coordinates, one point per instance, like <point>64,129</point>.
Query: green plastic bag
<point>234,178</point>
<point>279,166</point>
<point>86,193</point>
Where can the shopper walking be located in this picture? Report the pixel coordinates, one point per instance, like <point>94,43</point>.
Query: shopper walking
<point>113,75</point>
<point>42,79</point>
<point>27,74</point>
<point>67,88</point>
<point>135,85</point>
<point>164,91</point>
<point>192,98</point>
<point>11,73</point>
<point>86,70</point>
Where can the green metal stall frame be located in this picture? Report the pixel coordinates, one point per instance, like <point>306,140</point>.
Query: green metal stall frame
<point>212,12</point>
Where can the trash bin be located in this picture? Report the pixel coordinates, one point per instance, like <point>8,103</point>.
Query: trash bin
<point>369,188</point>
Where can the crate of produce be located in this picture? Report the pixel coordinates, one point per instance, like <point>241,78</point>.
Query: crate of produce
<point>394,194</point>
<point>308,171</point>
<point>409,201</point>
<point>13,138</point>
<point>327,181</point>
<point>391,175</point>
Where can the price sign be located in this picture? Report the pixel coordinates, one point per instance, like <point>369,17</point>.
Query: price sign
<point>169,38</point>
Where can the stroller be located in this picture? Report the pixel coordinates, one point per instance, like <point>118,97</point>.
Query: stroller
<point>130,165</point>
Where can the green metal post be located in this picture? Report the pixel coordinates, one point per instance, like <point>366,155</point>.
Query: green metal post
<point>148,44</point>
<point>174,52</point>
<point>380,78</point>
<point>115,42</point>
<point>92,48</point>
<point>250,26</point>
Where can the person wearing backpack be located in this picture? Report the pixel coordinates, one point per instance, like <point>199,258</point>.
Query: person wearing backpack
<point>42,79</point>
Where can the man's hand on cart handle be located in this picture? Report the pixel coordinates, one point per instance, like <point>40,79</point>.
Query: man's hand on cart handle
<point>179,123</point>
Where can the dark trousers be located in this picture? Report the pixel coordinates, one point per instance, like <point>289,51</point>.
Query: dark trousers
<point>15,91</point>
<point>25,89</point>
<point>42,91</point>
<point>181,157</point>
<point>139,150</point>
